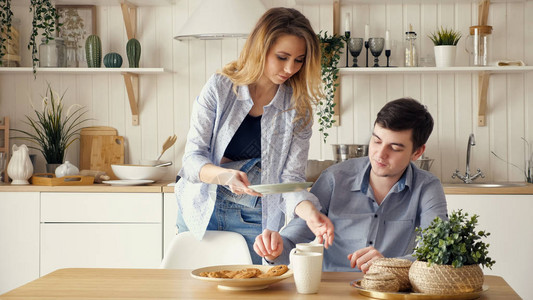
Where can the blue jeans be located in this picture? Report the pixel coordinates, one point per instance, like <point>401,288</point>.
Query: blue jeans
<point>237,213</point>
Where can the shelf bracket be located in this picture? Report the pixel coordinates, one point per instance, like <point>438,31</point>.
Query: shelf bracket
<point>129,13</point>
<point>483,85</point>
<point>132,88</point>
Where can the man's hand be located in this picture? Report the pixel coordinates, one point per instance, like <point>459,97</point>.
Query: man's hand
<point>268,244</point>
<point>319,223</point>
<point>363,258</point>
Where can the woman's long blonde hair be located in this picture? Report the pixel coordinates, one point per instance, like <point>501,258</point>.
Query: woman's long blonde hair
<point>306,83</point>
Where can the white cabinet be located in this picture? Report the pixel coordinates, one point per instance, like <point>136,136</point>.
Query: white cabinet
<point>170,214</point>
<point>101,230</point>
<point>508,219</point>
<point>19,239</point>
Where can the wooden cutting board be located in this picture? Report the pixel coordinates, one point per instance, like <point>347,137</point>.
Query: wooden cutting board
<point>100,147</point>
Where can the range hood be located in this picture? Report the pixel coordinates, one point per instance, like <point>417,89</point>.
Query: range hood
<point>217,19</point>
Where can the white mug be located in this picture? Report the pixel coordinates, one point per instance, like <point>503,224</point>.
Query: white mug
<point>309,247</point>
<point>307,269</point>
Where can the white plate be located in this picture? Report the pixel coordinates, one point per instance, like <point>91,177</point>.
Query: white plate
<point>279,188</point>
<point>240,284</point>
<point>128,182</point>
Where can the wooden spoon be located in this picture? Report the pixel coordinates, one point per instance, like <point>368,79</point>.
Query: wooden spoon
<point>167,144</point>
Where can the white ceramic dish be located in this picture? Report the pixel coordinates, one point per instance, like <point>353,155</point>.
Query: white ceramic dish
<point>240,284</point>
<point>127,182</point>
<point>138,172</point>
<point>279,188</point>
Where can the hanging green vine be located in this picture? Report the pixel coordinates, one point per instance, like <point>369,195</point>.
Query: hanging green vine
<point>45,18</point>
<point>6,16</point>
<point>331,47</point>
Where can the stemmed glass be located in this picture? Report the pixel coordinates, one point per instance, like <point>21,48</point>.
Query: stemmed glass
<point>355,45</point>
<point>376,47</point>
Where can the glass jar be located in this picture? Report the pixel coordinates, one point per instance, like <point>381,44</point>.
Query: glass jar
<point>411,54</point>
<point>53,53</point>
<point>72,54</point>
<point>11,56</point>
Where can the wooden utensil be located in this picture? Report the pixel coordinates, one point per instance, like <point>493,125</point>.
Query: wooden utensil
<point>167,144</point>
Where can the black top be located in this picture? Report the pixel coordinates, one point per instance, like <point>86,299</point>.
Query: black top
<point>246,143</point>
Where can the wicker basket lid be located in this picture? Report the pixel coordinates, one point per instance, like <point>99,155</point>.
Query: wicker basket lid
<point>382,276</point>
<point>392,262</point>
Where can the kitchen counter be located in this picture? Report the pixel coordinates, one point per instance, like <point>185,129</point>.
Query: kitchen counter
<point>455,189</point>
<point>158,187</point>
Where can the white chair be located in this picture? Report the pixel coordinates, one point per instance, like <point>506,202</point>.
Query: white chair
<point>216,248</point>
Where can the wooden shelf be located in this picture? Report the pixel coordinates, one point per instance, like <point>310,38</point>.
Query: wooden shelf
<point>429,70</point>
<point>87,71</point>
<point>101,2</point>
<point>317,2</point>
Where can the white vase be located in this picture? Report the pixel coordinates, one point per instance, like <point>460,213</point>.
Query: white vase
<point>445,56</point>
<point>20,167</point>
<point>66,169</point>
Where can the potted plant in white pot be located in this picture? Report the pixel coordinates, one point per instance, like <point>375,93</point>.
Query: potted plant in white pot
<point>445,41</point>
<point>53,130</point>
<point>449,255</point>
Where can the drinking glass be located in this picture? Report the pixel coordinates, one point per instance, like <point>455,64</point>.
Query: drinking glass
<point>376,47</point>
<point>355,45</point>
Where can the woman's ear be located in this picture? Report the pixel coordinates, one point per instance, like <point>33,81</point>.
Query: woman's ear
<point>418,152</point>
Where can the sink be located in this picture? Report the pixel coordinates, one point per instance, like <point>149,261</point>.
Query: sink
<point>486,184</point>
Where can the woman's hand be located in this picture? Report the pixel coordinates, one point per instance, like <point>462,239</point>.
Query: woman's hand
<point>363,258</point>
<point>268,244</point>
<point>319,223</point>
<point>236,180</point>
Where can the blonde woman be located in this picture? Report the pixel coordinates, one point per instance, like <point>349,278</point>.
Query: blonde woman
<point>250,125</point>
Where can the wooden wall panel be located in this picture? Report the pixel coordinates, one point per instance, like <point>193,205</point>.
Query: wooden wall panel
<point>166,100</point>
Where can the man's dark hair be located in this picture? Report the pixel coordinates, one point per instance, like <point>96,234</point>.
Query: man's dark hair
<point>405,114</point>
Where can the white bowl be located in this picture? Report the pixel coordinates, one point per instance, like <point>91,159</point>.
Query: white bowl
<point>138,172</point>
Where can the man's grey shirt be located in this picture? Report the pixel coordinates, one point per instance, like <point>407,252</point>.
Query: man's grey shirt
<point>348,200</point>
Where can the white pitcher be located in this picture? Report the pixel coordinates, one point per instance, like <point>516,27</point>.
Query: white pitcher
<point>20,168</point>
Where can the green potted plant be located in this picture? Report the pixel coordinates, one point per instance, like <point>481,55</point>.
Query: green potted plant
<point>45,19</point>
<point>53,130</point>
<point>449,255</point>
<point>445,42</point>
<point>6,16</point>
<point>331,47</point>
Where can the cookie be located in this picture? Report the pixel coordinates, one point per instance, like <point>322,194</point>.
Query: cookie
<point>218,274</point>
<point>278,270</point>
<point>242,274</point>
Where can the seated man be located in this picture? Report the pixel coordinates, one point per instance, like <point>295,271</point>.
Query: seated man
<point>374,202</point>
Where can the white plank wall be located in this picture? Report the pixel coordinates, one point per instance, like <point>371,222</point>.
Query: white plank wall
<point>166,99</point>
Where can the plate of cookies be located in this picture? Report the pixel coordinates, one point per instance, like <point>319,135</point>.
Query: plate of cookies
<point>242,277</point>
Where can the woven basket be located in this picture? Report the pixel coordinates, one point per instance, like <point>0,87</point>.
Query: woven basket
<point>396,266</point>
<point>445,279</point>
<point>381,282</point>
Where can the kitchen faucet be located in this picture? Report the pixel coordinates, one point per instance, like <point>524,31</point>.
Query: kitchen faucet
<point>467,177</point>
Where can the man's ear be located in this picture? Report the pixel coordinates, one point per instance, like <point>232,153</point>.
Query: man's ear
<point>418,152</point>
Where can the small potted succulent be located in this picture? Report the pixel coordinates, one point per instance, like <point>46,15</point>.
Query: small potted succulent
<point>445,41</point>
<point>449,255</point>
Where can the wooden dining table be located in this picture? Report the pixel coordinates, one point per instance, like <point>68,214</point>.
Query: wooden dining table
<point>104,283</point>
